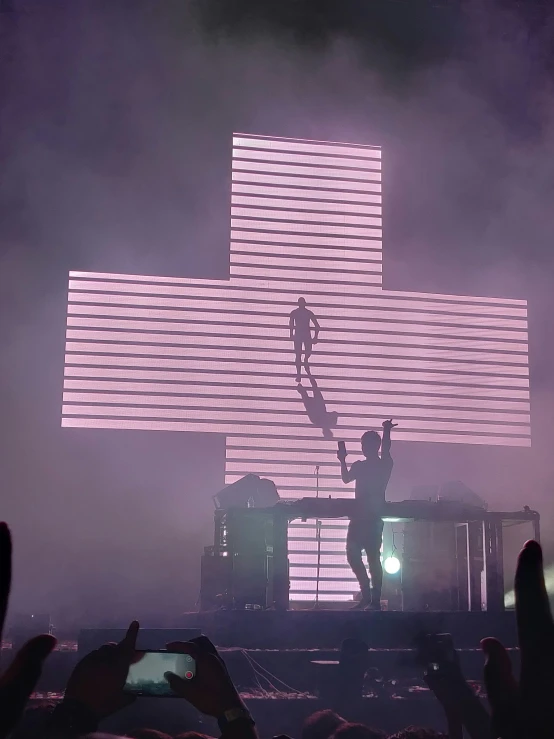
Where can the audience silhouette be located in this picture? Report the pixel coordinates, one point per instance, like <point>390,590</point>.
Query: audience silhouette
<point>519,709</point>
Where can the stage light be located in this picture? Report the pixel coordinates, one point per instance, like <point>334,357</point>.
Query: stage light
<point>510,596</point>
<point>392,565</point>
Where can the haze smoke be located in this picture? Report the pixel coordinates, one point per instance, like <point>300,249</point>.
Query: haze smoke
<point>116,129</point>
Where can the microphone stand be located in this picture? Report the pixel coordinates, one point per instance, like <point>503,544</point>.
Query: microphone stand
<point>318,539</point>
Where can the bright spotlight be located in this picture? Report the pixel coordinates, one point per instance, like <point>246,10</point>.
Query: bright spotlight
<point>392,565</point>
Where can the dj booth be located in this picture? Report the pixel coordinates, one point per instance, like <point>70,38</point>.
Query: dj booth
<point>248,566</point>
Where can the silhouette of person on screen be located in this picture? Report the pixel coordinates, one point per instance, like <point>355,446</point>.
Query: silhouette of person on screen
<point>300,326</point>
<point>316,409</point>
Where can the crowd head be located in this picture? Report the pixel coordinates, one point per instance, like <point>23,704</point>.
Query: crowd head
<point>519,709</point>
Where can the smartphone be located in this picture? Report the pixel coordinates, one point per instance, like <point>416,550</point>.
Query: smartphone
<point>342,448</point>
<point>146,674</point>
<point>439,650</point>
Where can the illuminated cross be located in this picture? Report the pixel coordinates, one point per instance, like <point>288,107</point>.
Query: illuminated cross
<point>215,356</point>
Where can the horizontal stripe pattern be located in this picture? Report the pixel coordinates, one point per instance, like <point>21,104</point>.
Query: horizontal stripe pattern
<point>180,354</point>
<point>265,143</point>
<point>280,407</point>
<point>307,196</point>
<point>270,417</point>
<point>487,306</point>
<point>330,211</point>
<point>265,311</point>
<point>213,335</point>
<point>253,432</point>
<point>226,363</point>
<point>250,379</point>
<point>244,391</point>
<point>256,323</point>
<point>331,355</point>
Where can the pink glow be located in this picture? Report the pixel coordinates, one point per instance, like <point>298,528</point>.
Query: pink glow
<point>293,228</point>
<point>304,145</point>
<point>266,317</point>
<point>321,174</point>
<point>246,155</point>
<point>249,381</point>
<point>316,278</point>
<point>282,251</point>
<point>328,371</point>
<point>363,357</point>
<point>163,353</point>
<point>277,391</point>
<point>92,280</point>
<point>150,425</point>
<point>514,339</point>
<point>316,182</point>
<point>439,346</point>
<point>315,206</point>
<point>376,298</point>
<point>291,407</point>
<point>316,198</point>
<point>290,216</point>
<point>360,345</point>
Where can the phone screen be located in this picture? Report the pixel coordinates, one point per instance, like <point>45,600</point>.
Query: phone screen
<point>146,674</point>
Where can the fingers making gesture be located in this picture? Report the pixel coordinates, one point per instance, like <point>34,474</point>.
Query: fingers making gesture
<point>98,679</point>
<point>524,709</point>
<point>21,677</point>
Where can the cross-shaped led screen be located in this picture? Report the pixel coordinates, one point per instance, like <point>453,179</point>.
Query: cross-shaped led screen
<point>239,356</point>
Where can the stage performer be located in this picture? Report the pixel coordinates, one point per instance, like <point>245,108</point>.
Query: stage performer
<point>300,327</point>
<point>365,531</point>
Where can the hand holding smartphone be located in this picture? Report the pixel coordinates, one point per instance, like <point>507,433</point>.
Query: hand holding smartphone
<point>146,674</point>
<point>438,652</point>
<point>341,452</point>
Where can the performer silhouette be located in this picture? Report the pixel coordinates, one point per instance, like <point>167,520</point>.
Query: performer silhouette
<point>316,408</point>
<point>300,326</point>
<point>365,530</point>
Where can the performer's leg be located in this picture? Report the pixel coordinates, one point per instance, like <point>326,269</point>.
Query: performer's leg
<point>373,552</point>
<point>298,358</point>
<point>354,556</point>
<point>307,353</point>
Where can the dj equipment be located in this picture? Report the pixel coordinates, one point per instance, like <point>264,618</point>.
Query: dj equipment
<point>406,510</point>
<point>256,540</point>
<point>237,572</point>
<point>249,490</point>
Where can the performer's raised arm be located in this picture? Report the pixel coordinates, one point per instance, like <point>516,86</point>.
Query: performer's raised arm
<point>365,531</point>
<point>347,475</point>
<point>386,442</point>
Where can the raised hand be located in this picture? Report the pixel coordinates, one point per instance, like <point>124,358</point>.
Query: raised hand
<point>97,681</point>
<point>460,704</point>
<point>211,691</point>
<point>388,425</point>
<point>18,682</point>
<point>525,710</point>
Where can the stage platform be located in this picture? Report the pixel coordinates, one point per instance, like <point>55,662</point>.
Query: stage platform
<point>325,629</point>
